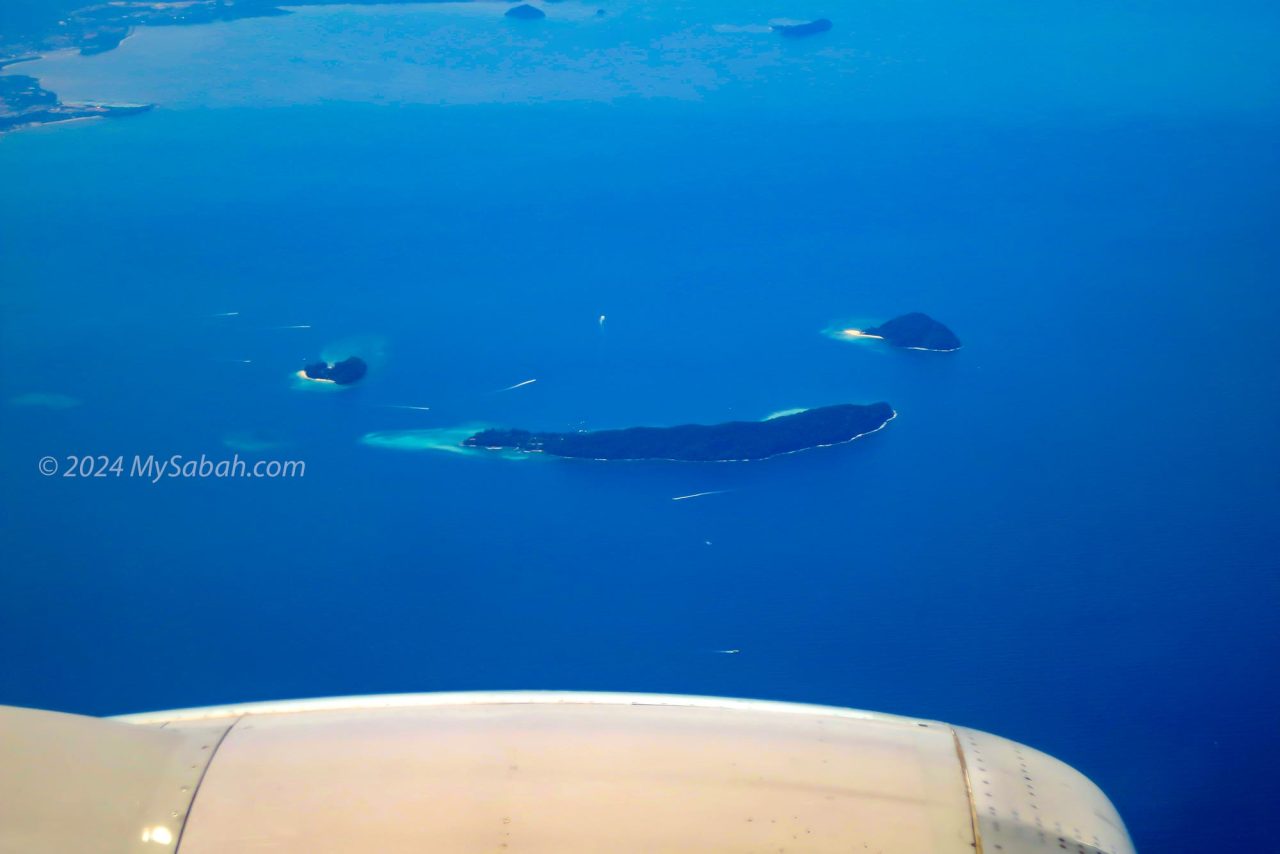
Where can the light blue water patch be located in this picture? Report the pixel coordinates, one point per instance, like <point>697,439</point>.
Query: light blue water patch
<point>44,400</point>
<point>253,441</point>
<point>446,439</point>
<point>854,332</point>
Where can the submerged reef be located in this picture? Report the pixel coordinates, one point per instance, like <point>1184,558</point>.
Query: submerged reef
<point>732,441</point>
<point>916,331</point>
<point>525,12</point>
<point>252,441</point>
<point>345,372</point>
<point>450,440</point>
<point>808,28</point>
<point>45,400</point>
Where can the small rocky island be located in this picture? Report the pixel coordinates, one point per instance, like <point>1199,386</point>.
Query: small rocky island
<point>345,372</point>
<point>733,441</point>
<point>916,331</point>
<point>525,12</point>
<point>808,28</point>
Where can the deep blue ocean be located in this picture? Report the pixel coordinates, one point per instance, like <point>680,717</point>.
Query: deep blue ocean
<point>1068,536</point>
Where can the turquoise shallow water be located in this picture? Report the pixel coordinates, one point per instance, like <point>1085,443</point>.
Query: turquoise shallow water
<point>1066,537</point>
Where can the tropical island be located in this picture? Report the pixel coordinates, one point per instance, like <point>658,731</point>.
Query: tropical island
<point>915,331</point>
<point>808,28</point>
<point>525,12</point>
<point>344,372</point>
<point>734,441</point>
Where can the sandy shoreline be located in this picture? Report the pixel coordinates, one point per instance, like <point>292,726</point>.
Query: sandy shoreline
<point>302,375</point>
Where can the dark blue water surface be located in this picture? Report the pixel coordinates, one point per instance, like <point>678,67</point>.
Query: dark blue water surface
<point>1068,537</point>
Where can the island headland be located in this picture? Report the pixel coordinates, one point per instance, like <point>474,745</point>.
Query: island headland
<point>916,331</point>
<point>734,441</point>
<point>345,372</point>
<point>24,103</point>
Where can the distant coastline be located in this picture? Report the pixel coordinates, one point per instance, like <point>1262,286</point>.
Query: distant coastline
<point>93,28</point>
<point>97,28</point>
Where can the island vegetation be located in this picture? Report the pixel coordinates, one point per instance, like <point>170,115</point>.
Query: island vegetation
<point>915,331</point>
<point>525,12</point>
<point>344,372</point>
<point>731,441</point>
<point>808,28</point>
<point>23,103</point>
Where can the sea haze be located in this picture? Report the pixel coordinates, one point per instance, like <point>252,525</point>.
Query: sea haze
<point>1067,537</point>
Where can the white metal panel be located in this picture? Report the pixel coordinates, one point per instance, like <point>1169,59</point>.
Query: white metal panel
<point>84,785</point>
<point>585,776</point>
<point>1027,801</point>
<point>535,772</point>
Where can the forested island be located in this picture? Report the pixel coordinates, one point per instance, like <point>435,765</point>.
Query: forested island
<point>729,442</point>
<point>525,12</point>
<point>344,372</point>
<point>808,28</point>
<point>915,331</point>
